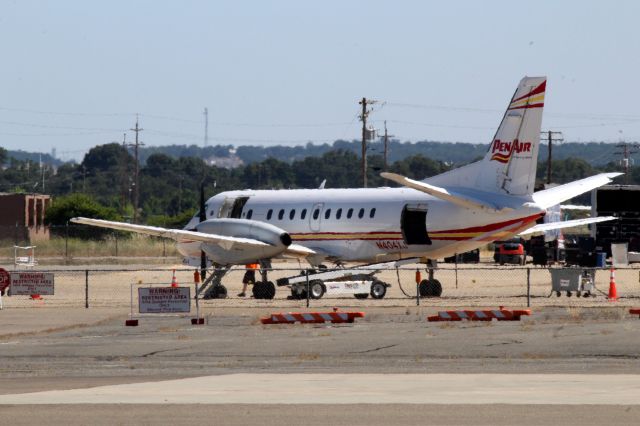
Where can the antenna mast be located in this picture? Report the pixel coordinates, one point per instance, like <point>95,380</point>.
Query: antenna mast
<point>206,126</point>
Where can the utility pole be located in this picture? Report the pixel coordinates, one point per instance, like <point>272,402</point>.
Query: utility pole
<point>627,150</point>
<point>551,137</point>
<point>365,136</point>
<point>386,146</point>
<point>125,174</point>
<point>206,126</point>
<point>136,192</point>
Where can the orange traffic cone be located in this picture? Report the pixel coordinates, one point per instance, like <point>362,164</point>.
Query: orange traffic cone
<point>174,280</point>
<point>613,293</point>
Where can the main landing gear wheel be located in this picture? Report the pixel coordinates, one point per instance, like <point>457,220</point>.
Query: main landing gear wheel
<point>218,292</point>
<point>316,289</point>
<point>298,293</point>
<point>264,290</point>
<point>430,288</point>
<point>379,289</point>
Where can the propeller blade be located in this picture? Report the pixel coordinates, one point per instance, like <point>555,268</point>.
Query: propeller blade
<point>203,217</point>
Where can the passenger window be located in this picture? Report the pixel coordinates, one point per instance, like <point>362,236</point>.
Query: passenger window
<point>303,214</point>
<point>372,213</point>
<point>249,214</point>
<point>361,214</point>
<point>316,213</point>
<point>269,214</point>
<point>349,213</point>
<point>327,213</point>
<point>280,214</point>
<point>338,213</point>
<point>292,214</point>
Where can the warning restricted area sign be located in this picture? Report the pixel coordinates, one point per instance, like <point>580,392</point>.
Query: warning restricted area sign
<point>27,283</point>
<point>163,300</point>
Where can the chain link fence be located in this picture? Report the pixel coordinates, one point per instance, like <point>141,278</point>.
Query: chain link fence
<point>462,286</point>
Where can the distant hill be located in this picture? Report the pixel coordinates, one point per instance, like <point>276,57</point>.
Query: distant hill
<point>595,153</point>
<point>34,156</point>
<point>228,156</point>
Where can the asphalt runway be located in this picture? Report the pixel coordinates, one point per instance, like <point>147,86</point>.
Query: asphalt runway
<point>561,365</point>
<point>300,388</point>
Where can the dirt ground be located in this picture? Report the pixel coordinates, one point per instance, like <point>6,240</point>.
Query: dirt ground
<point>483,285</point>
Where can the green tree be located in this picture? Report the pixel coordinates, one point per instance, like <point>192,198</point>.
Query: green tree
<point>79,205</point>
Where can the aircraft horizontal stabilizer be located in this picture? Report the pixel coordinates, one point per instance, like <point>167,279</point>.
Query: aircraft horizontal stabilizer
<point>174,234</point>
<point>543,227</point>
<point>552,196</point>
<point>439,192</point>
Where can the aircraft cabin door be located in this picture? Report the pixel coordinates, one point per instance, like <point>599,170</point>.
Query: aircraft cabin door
<point>315,216</point>
<point>413,223</point>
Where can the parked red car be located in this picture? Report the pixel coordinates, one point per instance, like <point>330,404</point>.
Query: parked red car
<point>511,252</point>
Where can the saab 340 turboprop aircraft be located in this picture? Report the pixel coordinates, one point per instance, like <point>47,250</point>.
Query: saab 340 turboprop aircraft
<point>454,212</point>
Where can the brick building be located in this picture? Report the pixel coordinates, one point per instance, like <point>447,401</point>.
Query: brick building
<point>22,216</point>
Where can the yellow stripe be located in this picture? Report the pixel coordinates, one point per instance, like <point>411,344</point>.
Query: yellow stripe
<point>344,236</point>
<point>455,234</point>
<point>530,100</point>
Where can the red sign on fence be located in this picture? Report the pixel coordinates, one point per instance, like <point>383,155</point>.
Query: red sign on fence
<point>5,279</point>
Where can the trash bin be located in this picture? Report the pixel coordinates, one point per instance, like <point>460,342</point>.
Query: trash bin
<point>568,280</point>
<point>601,259</point>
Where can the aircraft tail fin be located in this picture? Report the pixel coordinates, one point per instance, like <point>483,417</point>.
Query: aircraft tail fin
<point>509,166</point>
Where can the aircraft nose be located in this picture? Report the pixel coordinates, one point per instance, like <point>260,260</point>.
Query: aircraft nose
<point>285,239</point>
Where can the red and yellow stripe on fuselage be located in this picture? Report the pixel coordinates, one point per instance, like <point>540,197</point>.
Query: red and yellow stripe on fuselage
<point>485,233</point>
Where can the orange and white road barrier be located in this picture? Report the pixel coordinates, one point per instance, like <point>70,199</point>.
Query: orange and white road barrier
<point>174,280</point>
<point>613,292</point>
<point>311,317</point>
<point>484,315</point>
<point>635,311</point>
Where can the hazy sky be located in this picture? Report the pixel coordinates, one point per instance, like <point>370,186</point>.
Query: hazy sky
<point>75,73</point>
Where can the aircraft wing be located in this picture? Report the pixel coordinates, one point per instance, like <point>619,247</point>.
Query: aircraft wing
<point>298,250</point>
<point>439,192</point>
<point>574,207</point>
<point>179,235</point>
<point>552,196</point>
<point>543,227</point>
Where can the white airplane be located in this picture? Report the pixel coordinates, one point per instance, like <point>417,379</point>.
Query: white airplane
<point>454,212</point>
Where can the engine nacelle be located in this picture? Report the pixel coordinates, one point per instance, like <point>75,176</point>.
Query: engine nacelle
<point>277,238</point>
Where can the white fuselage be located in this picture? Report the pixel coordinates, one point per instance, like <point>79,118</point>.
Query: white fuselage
<point>368,225</point>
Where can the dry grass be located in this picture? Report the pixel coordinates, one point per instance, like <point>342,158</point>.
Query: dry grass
<point>134,246</point>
